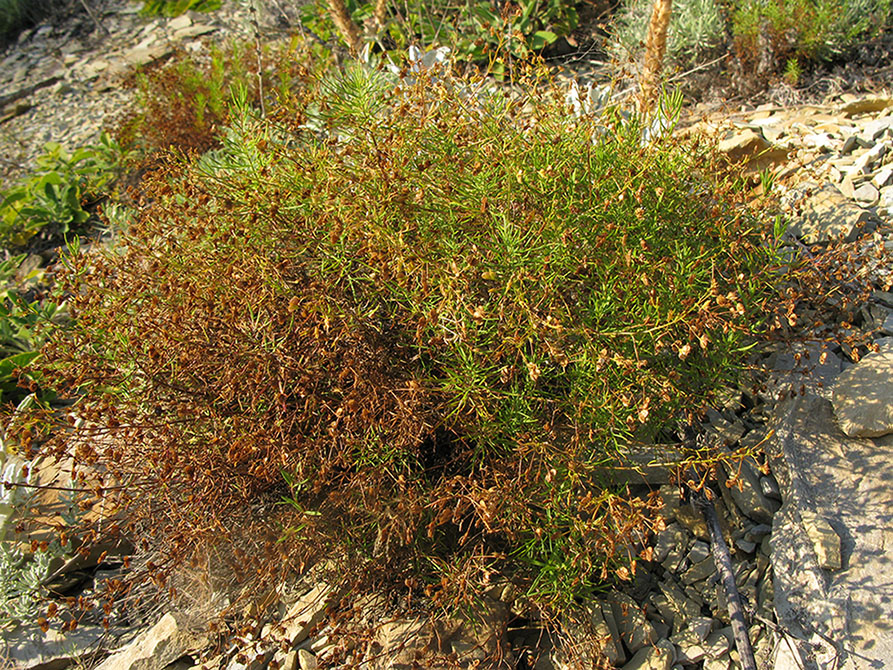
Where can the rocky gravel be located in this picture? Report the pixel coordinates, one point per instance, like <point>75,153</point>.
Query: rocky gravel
<point>62,82</point>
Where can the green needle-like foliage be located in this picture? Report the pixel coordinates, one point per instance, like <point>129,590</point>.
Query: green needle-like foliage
<point>428,321</point>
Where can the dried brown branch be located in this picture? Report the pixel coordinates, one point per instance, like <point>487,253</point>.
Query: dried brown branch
<point>655,48</point>
<point>723,562</point>
<point>346,25</point>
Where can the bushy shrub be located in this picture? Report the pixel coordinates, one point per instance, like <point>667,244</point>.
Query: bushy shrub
<point>185,104</point>
<point>778,30</point>
<point>425,320</point>
<point>473,30</point>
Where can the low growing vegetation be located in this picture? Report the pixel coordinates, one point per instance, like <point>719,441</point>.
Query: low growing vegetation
<point>781,30</point>
<point>56,197</point>
<point>427,321</point>
<point>16,15</point>
<point>177,7</point>
<point>186,104</point>
<point>772,38</point>
<point>473,30</point>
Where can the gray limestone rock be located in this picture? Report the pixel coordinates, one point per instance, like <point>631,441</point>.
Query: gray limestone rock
<point>164,643</point>
<point>287,660</point>
<point>699,571</point>
<point>874,130</point>
<point>29,649</point>
<point>844,481</point>
<point>141,55</point>
<point>306,613</point>
<point>850,144</point>
<point>822,141</point>
<point>673,537</point>
<point>747,492</point>
<point>193,31</point>
<point>676,608</point>
<point>825,541</point>
<point>750,146</point>
<point>828,215</point>
<point>635,630</point>
<point>883,177</point>
<point>866,194</point>
<point>660,656</point>
<point>866,106</point>
<point>182,21</point>
<point>862,396</point>
<point>813,366</point>
<point>605,628</point>
<point>769,487</point>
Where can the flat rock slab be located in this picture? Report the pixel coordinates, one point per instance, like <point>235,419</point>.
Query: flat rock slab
<point>863,396</point>
<point>845,481</point>
<point>828,215</point>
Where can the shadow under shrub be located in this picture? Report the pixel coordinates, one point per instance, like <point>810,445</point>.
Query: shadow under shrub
<point>421,318</point>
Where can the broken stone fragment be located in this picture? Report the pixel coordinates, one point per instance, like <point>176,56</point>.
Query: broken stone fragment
<point>866,194</point>
<point>635,630</point>
<point>825,540</point>
<point>182,21</point>
<point>164,643</point>
<point>660,656</point>
<point>750,146</point>
<point>866,106</point>
<point>883,177</point>
<point>699,571</point>
<point>676,608</point>
<point>306,614</point>
<point>829,214</point>
<point>862,396</point>
<point>605,629</point>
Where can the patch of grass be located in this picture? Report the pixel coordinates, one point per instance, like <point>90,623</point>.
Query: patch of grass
<point>425,319</point>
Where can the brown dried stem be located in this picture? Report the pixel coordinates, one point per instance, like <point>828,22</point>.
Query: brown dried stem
<point>346,25</point>
<point>655,48</point>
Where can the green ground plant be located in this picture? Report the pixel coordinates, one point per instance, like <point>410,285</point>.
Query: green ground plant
<point>759,34</point>
<point>697,27</point>
<point>177,7</point>
<point>16,15</point>
<point>24,570</point>
<point>56,197</point>
<point>473,30</point>
<point>429,321</point>
<point>804,29</point>
<point>24,310</point>
<point>185,105</point>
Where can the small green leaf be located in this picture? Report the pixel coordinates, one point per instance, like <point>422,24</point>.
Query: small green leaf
<point>542,38</point>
